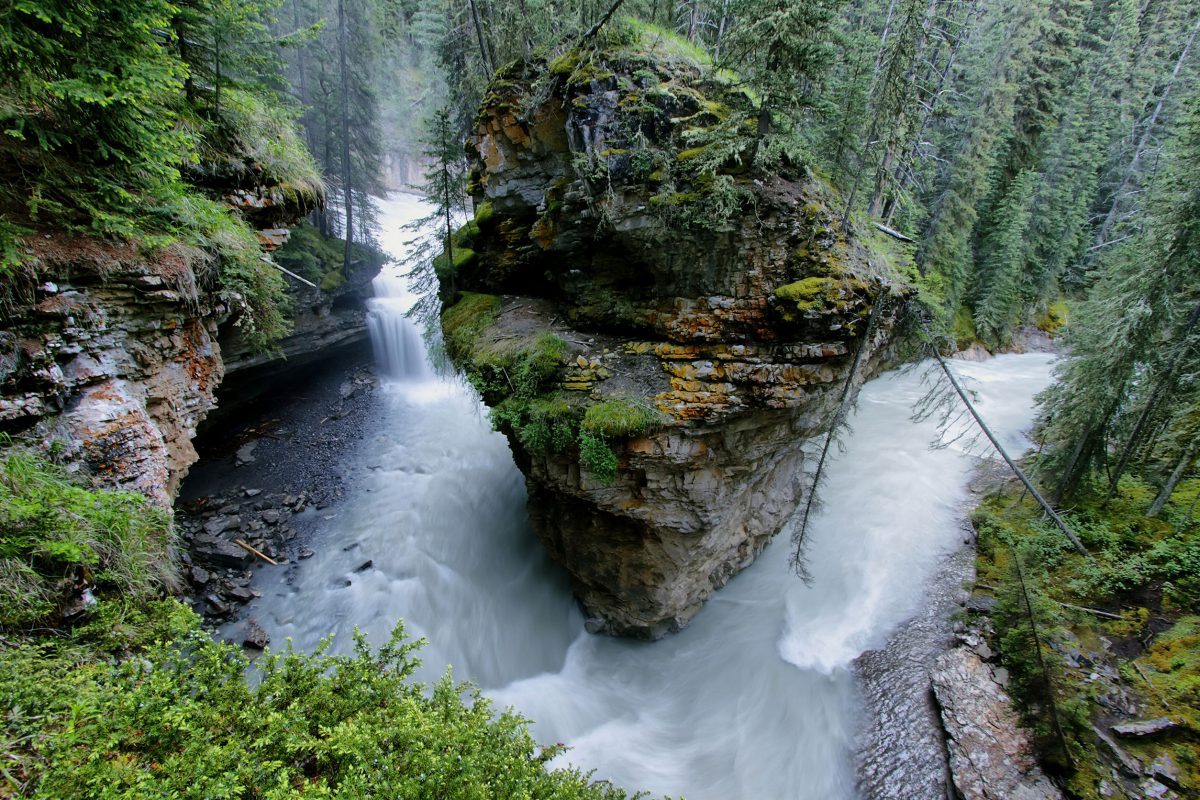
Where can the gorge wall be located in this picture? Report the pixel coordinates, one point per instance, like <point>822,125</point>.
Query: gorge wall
<point>658,323</point>
<point>109,353</point>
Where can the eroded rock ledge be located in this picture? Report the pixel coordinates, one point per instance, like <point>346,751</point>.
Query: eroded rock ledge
<point>109,354</point>
<point>991,755</point>
<point>657,326</point>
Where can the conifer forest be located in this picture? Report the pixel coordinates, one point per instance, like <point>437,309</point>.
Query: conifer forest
<point>722,399</point>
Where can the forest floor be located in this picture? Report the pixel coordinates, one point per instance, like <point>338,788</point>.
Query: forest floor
<point>1103,651</point>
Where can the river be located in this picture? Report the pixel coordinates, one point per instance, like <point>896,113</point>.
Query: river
<point>756,699</point>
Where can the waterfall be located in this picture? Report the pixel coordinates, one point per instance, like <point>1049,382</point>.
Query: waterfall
<point>397,342</point>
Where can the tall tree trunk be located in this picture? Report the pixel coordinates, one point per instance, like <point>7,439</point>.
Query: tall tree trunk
<point>484,57</point>
<point>1185,462</point>
<point>306,120</point>
<point>1012,465</point>
<point>721,30</point>
<point>883,38</point>
<point>347,181</point>
<point>216,74</point>
<point>1143,143</point>
<point>185,55</point>
<point>904,171</point>
<point>693,20</point>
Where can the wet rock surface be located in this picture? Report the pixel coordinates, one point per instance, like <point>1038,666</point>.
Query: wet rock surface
<point>902,747</point>
<point>737,333</point>
<point>991,756</point>
<point>232,506</point>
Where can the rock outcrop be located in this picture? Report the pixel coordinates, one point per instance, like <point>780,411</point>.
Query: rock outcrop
<point>114,358</point>
<point>109,353</point>
<point>991,755</point>
<point>658,324</point>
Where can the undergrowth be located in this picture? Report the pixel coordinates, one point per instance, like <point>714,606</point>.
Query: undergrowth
<point>1146,572</point>
<point>57,536</point>
<point>143,703</point>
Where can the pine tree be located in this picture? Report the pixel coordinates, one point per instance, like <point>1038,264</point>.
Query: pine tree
<point>998,291</point>
<point>445,188</point>
<point>782,47</point>
<point>1138,310</point>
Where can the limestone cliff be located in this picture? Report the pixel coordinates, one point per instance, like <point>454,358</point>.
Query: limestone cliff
<point>659,313</point>
<point>109,353</point>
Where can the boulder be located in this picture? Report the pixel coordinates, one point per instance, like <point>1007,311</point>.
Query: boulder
<point>991,756</point>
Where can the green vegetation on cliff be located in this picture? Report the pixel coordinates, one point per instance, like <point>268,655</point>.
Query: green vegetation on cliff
<point>1138,646</point>
<point>109,127</point>
<point>59,536</point>
<point>319,258</point>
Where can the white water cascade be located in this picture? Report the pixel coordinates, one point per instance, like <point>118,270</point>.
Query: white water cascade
<point>398,344</point>
<point>754,700</point>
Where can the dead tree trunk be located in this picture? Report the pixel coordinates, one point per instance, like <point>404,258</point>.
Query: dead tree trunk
<point>1020,473</point>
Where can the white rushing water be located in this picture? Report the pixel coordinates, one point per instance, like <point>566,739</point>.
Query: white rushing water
<point>755,699</point>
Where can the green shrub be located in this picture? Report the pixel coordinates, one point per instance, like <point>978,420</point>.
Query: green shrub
<point>597,457</point>
<point>182,720</point>
<point>619,419</point>
<point>333,280</point>
<point>54,533</point>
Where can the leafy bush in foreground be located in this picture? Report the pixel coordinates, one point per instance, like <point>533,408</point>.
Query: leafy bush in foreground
<point>181,720</point>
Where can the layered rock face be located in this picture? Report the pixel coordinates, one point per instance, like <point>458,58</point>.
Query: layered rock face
<point>658,327</point>
<point>109,356</point>
<point>114,358</point>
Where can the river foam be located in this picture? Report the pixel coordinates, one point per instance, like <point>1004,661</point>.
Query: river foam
<point>756,699</point>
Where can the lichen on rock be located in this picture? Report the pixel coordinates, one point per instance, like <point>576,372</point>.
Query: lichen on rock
<point>707,312</point>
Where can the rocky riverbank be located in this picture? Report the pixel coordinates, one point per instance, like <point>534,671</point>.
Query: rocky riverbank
<point>266,480</point>
<point>938,723</point>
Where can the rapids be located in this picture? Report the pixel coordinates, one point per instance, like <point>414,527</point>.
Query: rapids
<point>756,699</point>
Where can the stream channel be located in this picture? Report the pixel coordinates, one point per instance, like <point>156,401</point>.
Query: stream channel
<point>757,698</point>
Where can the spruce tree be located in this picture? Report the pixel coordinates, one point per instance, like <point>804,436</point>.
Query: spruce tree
<point>998,293</point>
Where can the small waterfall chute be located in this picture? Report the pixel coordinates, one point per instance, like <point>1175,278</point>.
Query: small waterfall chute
<point>398,344</point>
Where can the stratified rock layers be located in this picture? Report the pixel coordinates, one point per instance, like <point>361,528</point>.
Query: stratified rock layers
<point>728,306</point>
<point>114,358</point>
<point>109,352</point>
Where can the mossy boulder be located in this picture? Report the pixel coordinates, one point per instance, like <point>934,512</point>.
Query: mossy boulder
<point>705,302</point>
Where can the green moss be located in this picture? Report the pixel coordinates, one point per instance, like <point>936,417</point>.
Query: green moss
<point>465,320</point>
<point>1134,557</point>
<point>463,257</point>
<point>690,154</point>
<point>485,213</point>
<point>333,280</point>
<point>313,256</point>
<point>674,199</point>
<point>1055,318</point>
<point>806,290</point>
<point>465,236</point>
<point>619,419</point>
<point>566,63</point>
